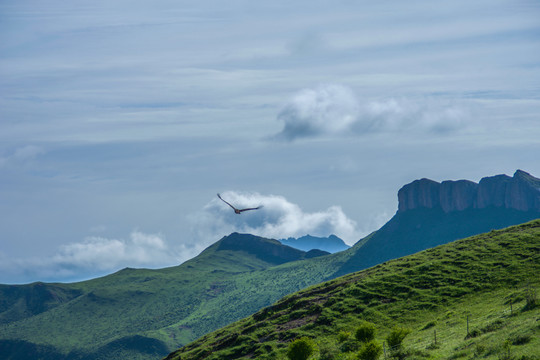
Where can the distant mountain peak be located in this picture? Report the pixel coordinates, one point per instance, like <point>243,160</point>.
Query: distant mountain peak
<point>330,244</point>
<point>520,192</point>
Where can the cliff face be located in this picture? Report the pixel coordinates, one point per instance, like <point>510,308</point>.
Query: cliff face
<point>520,192</point>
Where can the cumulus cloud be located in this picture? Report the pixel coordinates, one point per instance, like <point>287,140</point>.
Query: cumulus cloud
<point>279,218</point>
<point>95,256</point>
<point>327,109</point>
<point>335,110</point>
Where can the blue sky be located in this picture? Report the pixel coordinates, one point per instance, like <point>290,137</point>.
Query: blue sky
<point>120,121</point>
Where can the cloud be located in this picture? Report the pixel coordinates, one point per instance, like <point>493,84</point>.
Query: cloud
<point>335,110</point>
<point>94,256</point>
<point>21,154</point>
<point>328,109</point>
<point>278,219</point>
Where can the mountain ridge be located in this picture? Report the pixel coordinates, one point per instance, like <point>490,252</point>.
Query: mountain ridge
<point>173,306</point>
<point>308,242</point>
<point>520,192</point>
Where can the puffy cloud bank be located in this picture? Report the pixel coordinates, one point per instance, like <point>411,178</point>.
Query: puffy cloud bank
<point>335,110</point>
<point>94,256</point>
<point>99,255</point>
<point>278,218</point>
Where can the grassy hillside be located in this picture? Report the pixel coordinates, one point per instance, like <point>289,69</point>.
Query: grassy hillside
<point>112,316</point>
<point>473,298</point>
<point>164,308</point>
<point>419,229</point>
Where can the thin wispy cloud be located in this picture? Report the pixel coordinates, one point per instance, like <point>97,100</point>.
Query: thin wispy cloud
<point>21,154</point>
<point>335,110</point>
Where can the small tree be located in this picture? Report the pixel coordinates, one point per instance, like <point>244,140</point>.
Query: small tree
<point>396,336</point>
<point>366,332</point>
<point>370,351</point>
<point>300,349</point>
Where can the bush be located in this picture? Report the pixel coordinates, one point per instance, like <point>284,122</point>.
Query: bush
<point>349,345</point>
<point>328,351</point>
<point>366,332</point>
<point>343,336</point>
<point>505,353</point>
<point>370,351</point>
<point>300,349</point>
<point>396,336</point>
<point>531,299</point>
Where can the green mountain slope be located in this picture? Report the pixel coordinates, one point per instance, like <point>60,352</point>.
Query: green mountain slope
<point>116,315</point>
<point>164,308</point>
<point>168,308</point>
<point>473,298</point>
<point>419,229</point>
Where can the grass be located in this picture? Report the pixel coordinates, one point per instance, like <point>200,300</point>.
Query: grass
<point>173,305</point>
<point>432,293</point>
<point>177,305</point>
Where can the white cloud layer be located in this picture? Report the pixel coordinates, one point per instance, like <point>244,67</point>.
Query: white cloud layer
<point>100,255</point>
<point>278,219</point>
<point>335,110</point>
<point>95,256</point>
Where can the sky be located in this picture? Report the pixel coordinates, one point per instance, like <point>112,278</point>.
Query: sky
<point>120,121</point>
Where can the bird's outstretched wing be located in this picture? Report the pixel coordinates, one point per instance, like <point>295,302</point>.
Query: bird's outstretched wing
<point>235,209</point>
<point>255,208</point>
<point>238,211</point>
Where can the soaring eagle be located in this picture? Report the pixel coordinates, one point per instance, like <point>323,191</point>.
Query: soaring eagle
<point>238,211</point>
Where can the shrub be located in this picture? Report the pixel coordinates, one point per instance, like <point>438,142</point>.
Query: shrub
<point>396,336</point>
<point>531,299</point>
<point>370,351</point>
<point>343,336</point>
<point>328,351</point>
<point>349,345</point>
<point>366,332</point>
<point>300,349</point>
<point>505,351</point>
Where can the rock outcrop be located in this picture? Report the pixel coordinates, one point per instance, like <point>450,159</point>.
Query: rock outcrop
<point>520,192</point>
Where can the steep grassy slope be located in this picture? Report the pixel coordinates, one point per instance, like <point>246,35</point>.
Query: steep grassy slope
<point>488,281</point>
<point>419,229</point>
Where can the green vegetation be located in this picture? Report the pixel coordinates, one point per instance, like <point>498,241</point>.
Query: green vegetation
<point>424,305</point>
<point>235,277</point>
<point>365,332</point>
<point>300,349</point>
<point>370,350</point>
<point>165,308</point>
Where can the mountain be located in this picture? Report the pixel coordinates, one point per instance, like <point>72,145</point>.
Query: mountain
<point>138,313</point>
<point>520,192</point>
<point>144,314</point>
<point>431,214</point>
<point>473,298</point>
<point>330,244</point>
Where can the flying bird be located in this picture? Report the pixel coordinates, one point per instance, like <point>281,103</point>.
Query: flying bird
<point>238,211</point>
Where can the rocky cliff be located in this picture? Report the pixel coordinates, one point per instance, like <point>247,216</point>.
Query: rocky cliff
<point>520,192</point>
